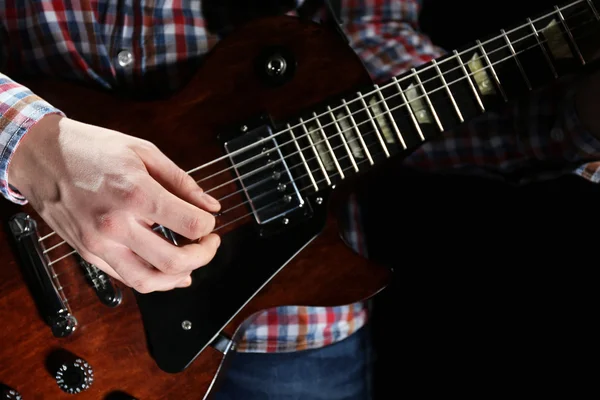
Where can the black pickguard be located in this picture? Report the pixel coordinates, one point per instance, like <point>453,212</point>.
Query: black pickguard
<point>244,263</point>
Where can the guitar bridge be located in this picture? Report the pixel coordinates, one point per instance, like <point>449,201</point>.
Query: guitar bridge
<point>46,289</point>
<point>264,175</point>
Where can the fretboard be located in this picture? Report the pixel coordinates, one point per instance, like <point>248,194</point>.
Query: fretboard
<point>376,123</point>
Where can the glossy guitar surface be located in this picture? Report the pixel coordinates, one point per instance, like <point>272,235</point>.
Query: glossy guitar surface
<point>226,94</point>
<point>280,114</point>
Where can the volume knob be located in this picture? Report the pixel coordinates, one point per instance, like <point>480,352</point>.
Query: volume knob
<point>10,394</point>
<point>75,377</point>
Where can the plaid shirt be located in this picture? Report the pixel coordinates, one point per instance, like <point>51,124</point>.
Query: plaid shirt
<point>115,43</point>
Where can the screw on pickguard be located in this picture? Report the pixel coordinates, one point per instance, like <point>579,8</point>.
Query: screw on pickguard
<point>107,292</point>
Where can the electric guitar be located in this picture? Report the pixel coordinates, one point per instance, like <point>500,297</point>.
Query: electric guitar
<point>280,114</point>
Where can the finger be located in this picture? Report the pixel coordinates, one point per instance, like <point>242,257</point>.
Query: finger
<point>176,214</point>
<point>140,275</point>
<point>176,180</point>
<point>167,257</point>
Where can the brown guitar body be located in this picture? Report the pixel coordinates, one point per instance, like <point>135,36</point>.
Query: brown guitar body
<point>226,89</point>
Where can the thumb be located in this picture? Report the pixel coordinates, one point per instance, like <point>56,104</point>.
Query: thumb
<point>174,179</point>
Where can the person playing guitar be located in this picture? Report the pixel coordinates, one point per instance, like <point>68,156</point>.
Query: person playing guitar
<point>101,190</point>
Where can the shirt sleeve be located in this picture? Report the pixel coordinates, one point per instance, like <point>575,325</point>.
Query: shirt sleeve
<point>386,36</point>
<point>20,109</point>
<point>541,130</point>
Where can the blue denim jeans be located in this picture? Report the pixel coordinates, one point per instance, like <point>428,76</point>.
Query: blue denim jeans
<point>341,371</point>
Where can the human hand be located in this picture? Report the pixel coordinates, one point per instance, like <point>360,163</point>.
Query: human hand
<point>102,191</point>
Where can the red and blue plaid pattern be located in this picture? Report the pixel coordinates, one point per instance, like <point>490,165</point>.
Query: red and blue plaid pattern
<point>83,40</point>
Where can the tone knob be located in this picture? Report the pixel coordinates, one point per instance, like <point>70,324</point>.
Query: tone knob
<point>10,394</point>
<point>75,376</point>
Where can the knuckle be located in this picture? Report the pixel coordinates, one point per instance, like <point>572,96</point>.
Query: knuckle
<point>148,145</point>
<point>90,244</point>
<point>133,196</point>
<point>173,265</point>
<point>141,286</point>
<point>195,226</point>
<point>107,223</point>
<point>184,181</point>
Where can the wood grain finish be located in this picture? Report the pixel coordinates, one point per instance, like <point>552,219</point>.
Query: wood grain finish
<point>224,90</point>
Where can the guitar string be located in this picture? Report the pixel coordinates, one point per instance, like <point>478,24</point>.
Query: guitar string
<point>338,134</point>
<point>378,90</point>
<point>401,80</point>
<point>353,127</point>
<point>52,262</point>
<point>351,114</point>
<point>264,194</point>
<point>62,287</point>
<point>78,294</point>
<point>316,143</point>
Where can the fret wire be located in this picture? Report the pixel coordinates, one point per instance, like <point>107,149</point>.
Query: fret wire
<point>317,156</point>
<point>593,7</point>
<point>358,133</point>
<point>310,175</point>
<point>491,67</point>
<point>333,157</point>
<point>466,73</point>
<point>514,54</point>
<point>470,80</point>
<point>441,75</point>
<point>539,42</point>
<point>374,124</point>
<point>428,100</point>
<point>343,138</point>
<point>217,159</point>
<point>564,24</point>
<point>460,79</point>
<point>409,108</point>
<point>387,110</point>
<point>238,151</point>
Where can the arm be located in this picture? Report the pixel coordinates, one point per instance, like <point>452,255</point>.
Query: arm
<point>386,36</point>
<point>20,110</point>
<point>94,187</point>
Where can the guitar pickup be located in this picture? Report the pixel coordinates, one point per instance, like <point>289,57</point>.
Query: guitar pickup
<point>50,300</point>
<point>107,292</point>
<point>264,175</point>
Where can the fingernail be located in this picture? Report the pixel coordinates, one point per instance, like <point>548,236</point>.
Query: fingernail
<point>211,199</point>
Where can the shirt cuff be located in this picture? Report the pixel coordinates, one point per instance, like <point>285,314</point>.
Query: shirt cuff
<point>20,109</point>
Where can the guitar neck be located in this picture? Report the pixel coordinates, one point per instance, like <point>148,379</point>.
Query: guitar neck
<point>354,133</point>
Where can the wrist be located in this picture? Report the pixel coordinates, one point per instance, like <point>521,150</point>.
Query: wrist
<point>30,148</point>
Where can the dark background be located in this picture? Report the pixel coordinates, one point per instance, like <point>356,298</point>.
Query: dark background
<point>494,288</point>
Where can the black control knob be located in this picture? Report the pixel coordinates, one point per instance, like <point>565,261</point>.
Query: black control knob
<point>74,376</point>
<point>10,394</point>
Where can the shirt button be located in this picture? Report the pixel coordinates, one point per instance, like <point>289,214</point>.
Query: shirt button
<point>125,58</point>
<point>556,134</point>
